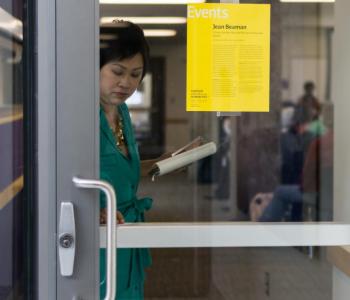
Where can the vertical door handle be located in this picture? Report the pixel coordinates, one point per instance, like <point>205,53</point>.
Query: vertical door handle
<point>111,229</point>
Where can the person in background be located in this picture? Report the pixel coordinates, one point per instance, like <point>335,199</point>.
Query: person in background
<point>276,206</point>
<point>304,126</point>
<point>301,160</point>
<point>308,107</point>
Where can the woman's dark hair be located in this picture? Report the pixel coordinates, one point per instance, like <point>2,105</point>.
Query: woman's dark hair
<point>130,40</point>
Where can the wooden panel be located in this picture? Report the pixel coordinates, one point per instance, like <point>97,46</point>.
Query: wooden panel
<point>339,256</point>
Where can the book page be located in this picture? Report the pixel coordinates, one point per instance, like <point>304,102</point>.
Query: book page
<point>195,143</point>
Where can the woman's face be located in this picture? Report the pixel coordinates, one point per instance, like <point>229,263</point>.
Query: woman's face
<point>119,79</point>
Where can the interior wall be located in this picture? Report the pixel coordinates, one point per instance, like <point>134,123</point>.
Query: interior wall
<point>308,15</point>
<point>305,33</point>
<point>177,132</point>
<point>6,74</point>
<point>304,55</point>
<point>340,95</point>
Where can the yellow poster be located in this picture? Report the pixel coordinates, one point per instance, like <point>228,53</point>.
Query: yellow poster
<point>228,57</point>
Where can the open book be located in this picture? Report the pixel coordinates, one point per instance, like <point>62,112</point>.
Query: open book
<point>183,157</point>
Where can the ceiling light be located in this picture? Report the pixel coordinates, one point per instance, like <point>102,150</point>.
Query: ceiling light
<point>159,32</point>
<point>308,1</point>
<point>145,20</point>
<point>151,1</point>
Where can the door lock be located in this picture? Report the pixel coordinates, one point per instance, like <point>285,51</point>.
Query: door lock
<point>66,240</point>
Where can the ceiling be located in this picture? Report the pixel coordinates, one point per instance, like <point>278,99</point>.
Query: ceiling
<point>322,13</point>
<point>107,10</point>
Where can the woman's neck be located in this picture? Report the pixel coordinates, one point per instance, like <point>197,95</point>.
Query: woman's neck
<point>111,112</point>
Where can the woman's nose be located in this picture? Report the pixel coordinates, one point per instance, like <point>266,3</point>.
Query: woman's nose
<point>124,81</point>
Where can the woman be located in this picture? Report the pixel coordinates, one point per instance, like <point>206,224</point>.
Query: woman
<point>122,67</point>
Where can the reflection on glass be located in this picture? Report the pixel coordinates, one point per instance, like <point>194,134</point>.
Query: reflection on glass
<point>12,235</point>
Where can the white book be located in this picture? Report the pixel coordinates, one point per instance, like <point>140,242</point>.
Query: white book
<point>183,159</point>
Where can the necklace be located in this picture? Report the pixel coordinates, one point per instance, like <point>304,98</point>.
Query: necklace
<point>118,132</point>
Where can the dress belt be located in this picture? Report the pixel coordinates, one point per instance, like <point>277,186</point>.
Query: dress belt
<point>133,210</point>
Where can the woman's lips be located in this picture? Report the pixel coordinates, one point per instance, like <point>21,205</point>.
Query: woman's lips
<point>120,94</point>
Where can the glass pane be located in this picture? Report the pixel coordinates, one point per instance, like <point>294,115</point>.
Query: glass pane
<point>15,254</point>
<point>240,273</point>
<point>269,167</point>
<point>275,166</point>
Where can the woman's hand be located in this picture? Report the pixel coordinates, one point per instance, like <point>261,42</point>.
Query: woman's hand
<point>120,218</point>
<point>103,217</point>
<point>146,165</point>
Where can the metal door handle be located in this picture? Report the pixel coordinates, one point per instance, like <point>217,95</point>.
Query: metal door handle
<point>66,239</point>
<point>111,229</point>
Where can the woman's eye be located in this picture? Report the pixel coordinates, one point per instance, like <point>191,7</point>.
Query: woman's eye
<point>118,73</point>
<point>136,75</point>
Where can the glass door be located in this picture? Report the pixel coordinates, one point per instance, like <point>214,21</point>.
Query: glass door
<point>251,222</point>
<point>17,141</point>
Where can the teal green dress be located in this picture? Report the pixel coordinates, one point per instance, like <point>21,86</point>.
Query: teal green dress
<point>123,172</point>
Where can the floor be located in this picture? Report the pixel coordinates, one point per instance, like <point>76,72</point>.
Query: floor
<point>225,273</point>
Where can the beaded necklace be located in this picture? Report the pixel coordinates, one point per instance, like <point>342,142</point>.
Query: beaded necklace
<point>118,132</point>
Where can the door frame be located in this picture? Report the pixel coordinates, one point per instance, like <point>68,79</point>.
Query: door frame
<point>46,164</point>
<point>68,143</point>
